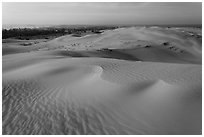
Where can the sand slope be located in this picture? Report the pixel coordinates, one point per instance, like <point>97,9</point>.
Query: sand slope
<point>101,96</point>
<point>65,89</point>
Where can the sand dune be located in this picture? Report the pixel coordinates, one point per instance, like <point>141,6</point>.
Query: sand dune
<point>181,46</point>
<point>97,91</point>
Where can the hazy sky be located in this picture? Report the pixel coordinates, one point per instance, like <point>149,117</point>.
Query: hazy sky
<point>101,13</point>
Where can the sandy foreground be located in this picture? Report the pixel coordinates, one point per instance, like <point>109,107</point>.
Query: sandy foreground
<point>124,81</point>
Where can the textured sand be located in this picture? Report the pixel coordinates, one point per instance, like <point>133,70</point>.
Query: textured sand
<point>181,48</point>
<point>78,92</point>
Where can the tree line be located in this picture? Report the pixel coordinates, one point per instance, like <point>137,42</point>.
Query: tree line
<point>26,33</point>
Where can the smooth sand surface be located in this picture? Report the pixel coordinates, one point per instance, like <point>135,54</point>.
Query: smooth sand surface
<point>74,85</point>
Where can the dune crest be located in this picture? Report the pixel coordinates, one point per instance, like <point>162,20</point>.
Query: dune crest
<point>101,96</point>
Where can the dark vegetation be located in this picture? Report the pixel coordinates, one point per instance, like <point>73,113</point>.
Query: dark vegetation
<point>147,46</point>
<point>166,43</point>
<point>50,32</point>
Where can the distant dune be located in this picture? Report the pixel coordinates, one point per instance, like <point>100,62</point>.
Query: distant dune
<point>124,81</point>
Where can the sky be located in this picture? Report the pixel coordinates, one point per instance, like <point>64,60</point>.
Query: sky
<point>136,13</point>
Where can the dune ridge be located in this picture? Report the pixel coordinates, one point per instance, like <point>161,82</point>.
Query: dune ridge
<point>180,46</point>
<point>124,81</point>
<point>69,81</point>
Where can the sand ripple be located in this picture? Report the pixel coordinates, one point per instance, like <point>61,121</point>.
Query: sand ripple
<point>101,96</point>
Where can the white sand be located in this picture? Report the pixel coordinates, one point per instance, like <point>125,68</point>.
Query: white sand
<point>50,92</point>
